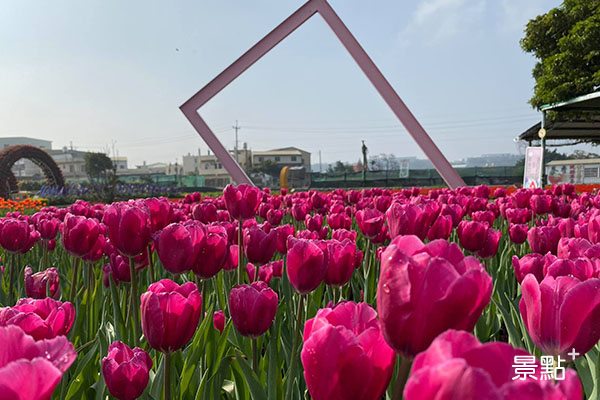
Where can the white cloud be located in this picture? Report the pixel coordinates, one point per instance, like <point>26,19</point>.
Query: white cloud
<point>435,21</point>
<point>516,13</point>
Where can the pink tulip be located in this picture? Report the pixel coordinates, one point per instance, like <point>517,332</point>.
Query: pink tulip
<point>42,319</point>
<point>37,284</point>
<point>159,210</point>
<point>561,314</point>
<point>345,355</point>
<point>213,253</point>
<point>126,371</point>
<point>129,228</point>
<point>30,370</point>
<point>46,224</point>
<point>484,216</point>
<point>17,236</point>
<point>518,233</point>
<point>339,221</point>
<point>441,228</point>
<point>79,234</point>
<point>543,239</point>
<point>370,222</point>
<point>490,247</point>
<point>274,216</point>
<point>341,234</point>
<point>518,215</point>
<point>205,212</point>
<point>533,263</point>
<point>179,245</point>
<point>425,289</point>
<point>541,204</point>
<point>406,219</point>
<point>581,268</point>
<point>340,262</point>
<point>314,222</point>
<point>458,366</point>
<point>472,235</point>
<point>241,201</point>
<point>259,246</point>
<point>265,272</point>
<point>299,210</point>
<point>283,232</point>
<point>306,264</point>
<point>219,320</point>
<point>253,308</point>
<point>572,247</point>
<point>170,314</point>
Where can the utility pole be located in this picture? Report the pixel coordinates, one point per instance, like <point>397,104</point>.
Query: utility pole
<point>320,164</point>
<point>237,128</point>
<point>364,152</point>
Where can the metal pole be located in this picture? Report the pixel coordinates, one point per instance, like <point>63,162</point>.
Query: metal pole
<point>543,143</point>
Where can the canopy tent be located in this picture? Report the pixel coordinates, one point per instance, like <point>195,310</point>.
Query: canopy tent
<point>583,128</point>
<point>578,131</point>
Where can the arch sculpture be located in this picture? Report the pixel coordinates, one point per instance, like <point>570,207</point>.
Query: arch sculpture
<point>10,155</point>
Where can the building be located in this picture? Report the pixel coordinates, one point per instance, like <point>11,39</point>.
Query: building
<point>120,163</point>
<point>208,166</point>
<point>71,163</point>
<point>284,157</point>
<point>577,172</point>
<point>26,169</point>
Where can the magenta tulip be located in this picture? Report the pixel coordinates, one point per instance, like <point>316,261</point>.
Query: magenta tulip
<point>241,201</point>
<point>170,314</point>
<point>126,371</point>
<point>370,222</point>
<point>426,289</point>
<point>159,210</point>
<point>283,232</point>
<point>253,308</point>
<point>345,355</point>
<point>518,233</point>
<point>533,263</point>
<point>80,234</point>
<point>340,262</point>
<point>46,224</point>
<point>472,235</point>
<point>219,320</point>
<point>259,246</point>
<point>17,236</point>
<point>561,313</point>
<point>205,212</point>
<point>42,319</point>
<point>458,366</point>
<point>490,246</point>
<point>30,370</point>
<point>441,228</point>
<point>306,264</point>
<point>213,253</point>
<point>543,239</point>
<point>129,228</point>
<point>572,247</point>
<point>406,219</point>
<point>40,284</point>
<point>178,246</point>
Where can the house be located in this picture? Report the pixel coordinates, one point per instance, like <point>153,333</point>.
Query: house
<point>579,171</point>
<point>286,156</point>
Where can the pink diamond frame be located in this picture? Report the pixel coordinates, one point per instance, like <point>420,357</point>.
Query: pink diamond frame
<point>311,7</point>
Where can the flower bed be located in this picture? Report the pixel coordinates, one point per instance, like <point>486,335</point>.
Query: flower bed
<point>465,294</point>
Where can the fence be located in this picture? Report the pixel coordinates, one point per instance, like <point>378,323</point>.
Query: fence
<point>417,177</point>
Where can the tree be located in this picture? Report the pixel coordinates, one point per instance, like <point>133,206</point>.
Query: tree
<point>580,155</point>
<point>340,167</point>
<point>268,167</point>
<point>566,40</point>
<point>98,167</point>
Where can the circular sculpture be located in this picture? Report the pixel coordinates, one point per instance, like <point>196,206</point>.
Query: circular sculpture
<point>10,155</point>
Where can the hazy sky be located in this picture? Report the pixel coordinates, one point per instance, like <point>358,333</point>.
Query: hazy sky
<point>94,72</point>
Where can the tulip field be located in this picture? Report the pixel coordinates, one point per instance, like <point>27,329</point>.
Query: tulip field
<point>473,294</point>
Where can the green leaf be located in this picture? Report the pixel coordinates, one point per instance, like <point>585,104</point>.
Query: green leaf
<point>256,390</point>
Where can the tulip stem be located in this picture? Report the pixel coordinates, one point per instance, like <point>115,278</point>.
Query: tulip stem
<point>255,355</point>
<point>133,301</point>
<point>167,372</point>
<point>403,371</point>
<point>151,262</point>
<point>73,280</point>
<point>367,271</point>
<point>240,253</point>
<point>291,376</point>
<point>11,284</point>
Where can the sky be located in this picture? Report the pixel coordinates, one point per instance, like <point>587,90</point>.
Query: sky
<point>98,74</point>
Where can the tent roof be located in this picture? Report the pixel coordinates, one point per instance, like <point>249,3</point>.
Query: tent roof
<point>577,130</point>
<point>587,102</point>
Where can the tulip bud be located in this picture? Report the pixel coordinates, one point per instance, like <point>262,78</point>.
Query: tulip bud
<point>306,264</point>
<point>126,371</point>
<point>253,308</point>
<point>37,285</point>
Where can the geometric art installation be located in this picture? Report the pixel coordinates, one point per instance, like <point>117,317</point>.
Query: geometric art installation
<point>190,108</point>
